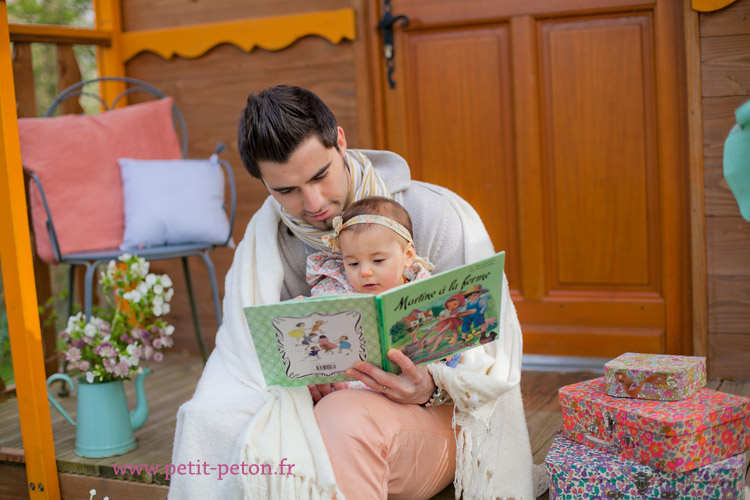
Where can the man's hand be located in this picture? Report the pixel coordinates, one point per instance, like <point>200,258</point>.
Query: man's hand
<point>318,391</point>
<point>413,386</point>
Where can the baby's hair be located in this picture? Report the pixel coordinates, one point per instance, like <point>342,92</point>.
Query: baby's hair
<point>377,205</point>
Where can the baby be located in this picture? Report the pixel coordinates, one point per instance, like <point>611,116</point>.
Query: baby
<point>377,251</point>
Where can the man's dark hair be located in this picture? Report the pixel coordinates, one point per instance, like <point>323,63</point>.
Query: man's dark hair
<point>277,120</point>
<point>377,205</point>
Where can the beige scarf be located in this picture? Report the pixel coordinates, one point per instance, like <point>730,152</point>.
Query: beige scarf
<point>364,183</point>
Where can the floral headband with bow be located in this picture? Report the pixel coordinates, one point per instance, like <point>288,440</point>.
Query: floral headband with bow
<point>332,239</point>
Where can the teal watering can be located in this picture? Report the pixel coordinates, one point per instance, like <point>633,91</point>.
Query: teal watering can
<point>105,426</point>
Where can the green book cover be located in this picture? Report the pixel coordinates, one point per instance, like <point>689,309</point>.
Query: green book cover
<point>314,340</point>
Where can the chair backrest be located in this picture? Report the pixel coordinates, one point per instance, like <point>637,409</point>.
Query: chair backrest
<point>75,158</point>
<point>80,89</point>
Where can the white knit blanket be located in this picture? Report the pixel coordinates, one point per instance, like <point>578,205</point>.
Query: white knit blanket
<point>493,457</point>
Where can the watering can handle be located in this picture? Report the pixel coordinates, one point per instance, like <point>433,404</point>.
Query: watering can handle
<point>60,376</point>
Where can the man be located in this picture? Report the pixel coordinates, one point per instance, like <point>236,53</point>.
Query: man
<point>394,440</point>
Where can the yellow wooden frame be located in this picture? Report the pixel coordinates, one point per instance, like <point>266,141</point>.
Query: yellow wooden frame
<point>271,33</point>
<point>710,5</point>
<point>20,292</point>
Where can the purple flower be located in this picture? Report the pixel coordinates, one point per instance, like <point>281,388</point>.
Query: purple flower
<point>64,335</point>
<point>84,365</point>
<point>158,343</point>
<point>158,356</point>
<point>109,365</point>
<point>73,355</point>
<point>79,344</point>
<point>167,341</point>
<point>105,350</point>
<point>122,369</point>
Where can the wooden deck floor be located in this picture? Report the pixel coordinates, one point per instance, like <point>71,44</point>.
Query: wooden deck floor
<point>173,382</point>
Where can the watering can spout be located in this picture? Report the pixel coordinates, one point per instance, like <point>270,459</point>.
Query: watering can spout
<point>140,414</point>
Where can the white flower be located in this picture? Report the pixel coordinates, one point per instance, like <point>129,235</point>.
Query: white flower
<point>92,492</point>
<point>142,288</point>
<point>125,256</point>
<point>151,279</point>
<point>90,330</point>
<point>169,294</point>
<point>158,310</point>
<point>165,280</point>
<point>158,289</point>
<point>130,349</point>
<point>97,321</point>
<point>133,360</point>
<point>158,300</point>
<point>72,322</point>
<point>166,308</point>
<point>169,330</point>
<point>133,296</point>
<point>90,380</point>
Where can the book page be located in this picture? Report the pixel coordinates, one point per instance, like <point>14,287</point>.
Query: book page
<point>438,317</point>
<point>313,341</point>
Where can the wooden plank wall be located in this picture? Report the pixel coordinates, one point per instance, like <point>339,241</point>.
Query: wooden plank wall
<point>211,92</point>
<point>725,70</point>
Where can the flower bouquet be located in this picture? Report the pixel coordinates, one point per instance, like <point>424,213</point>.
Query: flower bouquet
<point>112,343</point>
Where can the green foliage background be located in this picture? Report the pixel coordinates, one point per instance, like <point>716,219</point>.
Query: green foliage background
<point>77,13</point>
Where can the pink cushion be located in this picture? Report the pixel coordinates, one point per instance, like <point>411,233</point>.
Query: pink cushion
<point>75,156</point>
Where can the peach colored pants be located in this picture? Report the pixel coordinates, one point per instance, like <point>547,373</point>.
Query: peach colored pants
<point>380,449</point>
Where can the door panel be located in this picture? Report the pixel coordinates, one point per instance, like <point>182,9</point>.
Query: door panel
<point>441,95</point>
<point>551,119</point>
<point>598,130</point>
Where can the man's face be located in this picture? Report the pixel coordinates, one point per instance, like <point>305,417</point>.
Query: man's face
<point>314,184</point>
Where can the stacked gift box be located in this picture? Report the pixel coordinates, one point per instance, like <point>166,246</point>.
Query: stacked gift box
<point>649,429</point>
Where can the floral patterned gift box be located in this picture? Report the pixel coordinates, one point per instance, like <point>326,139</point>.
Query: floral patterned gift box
<point>577,471</point>
<point>666,435</point>
<point>655,376</point>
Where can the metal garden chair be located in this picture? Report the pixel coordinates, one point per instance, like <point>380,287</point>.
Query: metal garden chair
<point>90,260</point>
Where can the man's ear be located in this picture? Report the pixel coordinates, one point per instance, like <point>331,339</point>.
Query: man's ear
<point>409,254</point>
<point>341,140</point>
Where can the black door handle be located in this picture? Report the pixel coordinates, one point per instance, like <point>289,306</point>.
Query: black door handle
<point>386,26</point>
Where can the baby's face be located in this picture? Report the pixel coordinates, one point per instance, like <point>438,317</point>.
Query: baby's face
<point>375,259</point>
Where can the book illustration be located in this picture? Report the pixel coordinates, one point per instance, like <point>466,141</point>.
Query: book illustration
<point>313,345</point>
<point>446,325</point>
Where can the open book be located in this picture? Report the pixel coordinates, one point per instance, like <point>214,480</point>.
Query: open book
<point>314,340</point>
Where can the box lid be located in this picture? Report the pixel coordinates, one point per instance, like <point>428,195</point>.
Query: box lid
<point>705,409</point>
<point>568,458</point>
<point>661,363</point>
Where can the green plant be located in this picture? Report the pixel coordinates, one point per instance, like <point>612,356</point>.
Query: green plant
<point>111,344</point>
<point>6,363</point>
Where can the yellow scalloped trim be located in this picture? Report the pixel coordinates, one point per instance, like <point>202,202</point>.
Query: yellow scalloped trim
<point>710,5</point>
<point>271,33</point>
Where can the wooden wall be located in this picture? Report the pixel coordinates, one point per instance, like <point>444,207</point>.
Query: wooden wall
<point>211,92</point>
<point>725,82</point>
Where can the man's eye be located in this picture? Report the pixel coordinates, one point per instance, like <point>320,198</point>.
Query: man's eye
<point>321,176</point>
<point>284,192</point>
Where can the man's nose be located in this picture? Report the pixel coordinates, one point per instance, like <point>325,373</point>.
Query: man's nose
<point>312,199</point>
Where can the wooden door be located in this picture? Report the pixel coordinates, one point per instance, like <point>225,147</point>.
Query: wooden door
<point>560,121</point>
